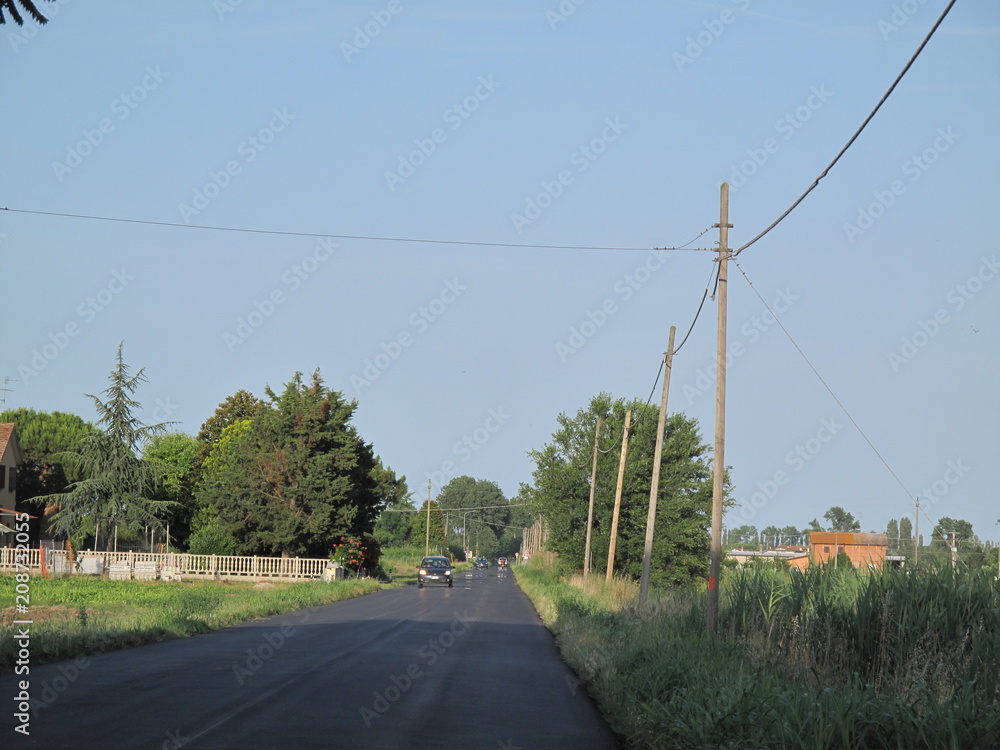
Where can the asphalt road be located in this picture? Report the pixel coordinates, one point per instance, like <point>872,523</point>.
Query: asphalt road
<point>466,668</point>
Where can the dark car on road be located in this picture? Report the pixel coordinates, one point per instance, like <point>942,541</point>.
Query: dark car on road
<point>502,562</point>
<point>435,570</point>
<point>482,562</point>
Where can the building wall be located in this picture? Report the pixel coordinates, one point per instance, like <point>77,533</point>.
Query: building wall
<point>10,457</point>
<point>863,550</point>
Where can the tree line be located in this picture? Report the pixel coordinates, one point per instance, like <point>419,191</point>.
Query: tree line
<point>563,478</point>
<point>469,516</point>
<point>283,475</point>
<point>969,549</point>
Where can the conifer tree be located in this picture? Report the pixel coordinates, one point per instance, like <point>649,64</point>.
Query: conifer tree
<point>117,488</point>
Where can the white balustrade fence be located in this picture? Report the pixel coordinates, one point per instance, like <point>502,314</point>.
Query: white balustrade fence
<point>180,564</point>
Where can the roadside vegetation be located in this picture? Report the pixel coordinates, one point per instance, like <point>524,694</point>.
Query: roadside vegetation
<point>820,659</point>
<point>79,615</point>
<point>400,563</point>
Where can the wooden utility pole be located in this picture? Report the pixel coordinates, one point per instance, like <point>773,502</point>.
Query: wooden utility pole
<point>654,488</point>
<point>427,539</point>
<point>590,510</point>
<point>719,459</point>
<point>618,495</point>
<point>916,534</point>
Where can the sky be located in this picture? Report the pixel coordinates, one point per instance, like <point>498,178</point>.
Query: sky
<point>601,130</point>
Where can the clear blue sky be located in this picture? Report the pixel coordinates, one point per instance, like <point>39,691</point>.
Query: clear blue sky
<point>572,124</point>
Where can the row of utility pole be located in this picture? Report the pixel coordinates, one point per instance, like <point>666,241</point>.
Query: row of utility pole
<point>718,459</point>
<point>719,464</point>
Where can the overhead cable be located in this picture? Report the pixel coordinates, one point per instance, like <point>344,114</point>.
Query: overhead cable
<point>854,137</point>
<point>371,238</point>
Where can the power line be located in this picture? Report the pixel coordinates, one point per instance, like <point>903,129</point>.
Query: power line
<point>371,238</point>
<point>715,272</point>
<point>825,385</point>
<point>857,133</point>
<point>439,509</point>
<point>659,372</point>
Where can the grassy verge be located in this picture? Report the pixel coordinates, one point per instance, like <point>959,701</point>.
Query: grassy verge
<point>85,615</point>
<point>819,660</point>
<point>401,563</point>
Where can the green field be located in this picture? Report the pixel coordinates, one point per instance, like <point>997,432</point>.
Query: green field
<point>84,615</point>
<point>824,659</point>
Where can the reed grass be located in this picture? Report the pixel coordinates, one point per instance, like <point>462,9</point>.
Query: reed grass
<point>820,659</point>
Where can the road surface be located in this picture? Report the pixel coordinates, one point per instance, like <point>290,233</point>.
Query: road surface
<point>466,668</point>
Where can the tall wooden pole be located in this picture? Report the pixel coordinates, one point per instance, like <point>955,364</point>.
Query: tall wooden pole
<point>654,488</point>
<point>719,458</point>
<point>590,510</point>
<point>618,496</point>
<point>916,534</point>
<point>427,539</point>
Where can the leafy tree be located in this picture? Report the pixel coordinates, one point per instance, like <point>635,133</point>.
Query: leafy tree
<point>211,539</point>
<point>391,489</point>
<point>419,535</point>
<point>10,6</point>
<point>118,487</point>
<point>478,508</point>
<point>394,526</point>
<point>561,490</point>
<point>296,476</point>
<point>176,456</point>
<point>948,526</point>
<point>48,441</point>
<point>745,534</point>
<point>791,535</point>
<point>208,534</point>
<point>770,536</point>
<point>840,520</point>
<point>241,405</point>
<point>520,518</point>
<point>814,526</point>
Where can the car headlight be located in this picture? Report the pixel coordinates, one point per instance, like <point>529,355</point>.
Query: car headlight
<point>423,572</point>
<point>447,572</point>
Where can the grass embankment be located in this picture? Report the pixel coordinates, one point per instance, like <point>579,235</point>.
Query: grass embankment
<point>400,563</point>
<point>78,615</point>
<point>834,659</point>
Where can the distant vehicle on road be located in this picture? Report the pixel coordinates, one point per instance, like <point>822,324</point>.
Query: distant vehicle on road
<point>435,570</point>
<point>502,562</point>
<point>482,562</point>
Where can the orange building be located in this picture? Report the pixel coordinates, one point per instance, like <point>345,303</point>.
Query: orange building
<point>864,550</point>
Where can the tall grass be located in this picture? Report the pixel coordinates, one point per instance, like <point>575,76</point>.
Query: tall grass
<point>892,629</point>
<point>84,615</point>
<point>401,561</point>
<point>828,659</point>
